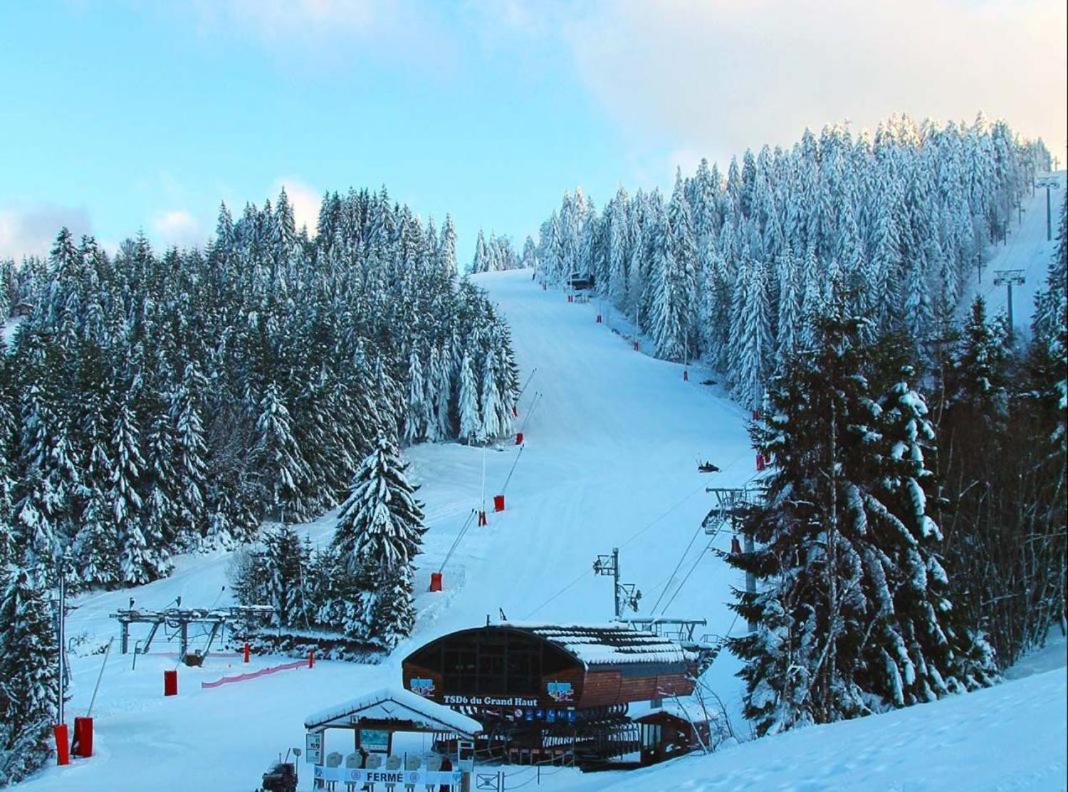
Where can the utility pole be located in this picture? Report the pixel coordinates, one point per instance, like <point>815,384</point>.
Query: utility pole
<point>1009,278</point>
<point>624,595</point>
<point>61,629</point>
<point>1049,182</point>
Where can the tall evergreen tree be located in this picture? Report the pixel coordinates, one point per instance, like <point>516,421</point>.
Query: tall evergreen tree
<point>471,429</point>
<point>852,614</point>
<point>29,681</point>
<point>284,466</point>
<point>379,532</point>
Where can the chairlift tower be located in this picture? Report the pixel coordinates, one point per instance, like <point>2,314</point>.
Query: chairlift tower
<point>730,508</point>
<point>1009,278</point>
<point>1050,183</point>
<point>625,595</point>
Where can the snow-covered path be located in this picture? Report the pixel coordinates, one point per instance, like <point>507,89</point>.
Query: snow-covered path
<point>612,444</point>
<point>1026,249</point>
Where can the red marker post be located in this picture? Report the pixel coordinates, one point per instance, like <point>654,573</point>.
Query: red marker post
<point>83,737</point>
<point>62,744</point>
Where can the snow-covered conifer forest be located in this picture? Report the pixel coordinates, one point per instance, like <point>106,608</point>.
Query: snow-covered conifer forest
<point>736,268</point>
<point>312,419</point>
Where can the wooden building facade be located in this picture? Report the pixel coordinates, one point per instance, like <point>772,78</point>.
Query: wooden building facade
<point>546,688</point>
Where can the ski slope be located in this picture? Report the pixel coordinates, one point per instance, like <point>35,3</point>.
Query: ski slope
<point>1026,249</point>
<point>613,438</point>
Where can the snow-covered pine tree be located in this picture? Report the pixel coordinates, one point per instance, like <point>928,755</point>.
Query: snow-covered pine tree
<point>528,259</point>
<point>42,507</point>
<point>379,532</point>
<point>190,463</point>
<point>278,455</point>
<point>490,398</point>
<point>447,250</point>
<point>29,680</point>
<point>380,524</point>
<point>276,577</point>
<point>618,247</point>
<point>684,255</point>
<point>978,376</point>
<point>667,322</point>
<point>392,607</point>
<point>637,268</point>
<point>1051,303</point>
<point>439,373</point>
<point>481,261</point>
<point>417,418</point>
<point>789,309</point>
<point>751,341</point>
<point>808,595</point>
<point>7,483</point>
<point>851,607</point>
<point>926,650</point>
<point>139,559</point>
<point>471,429</point>
<point>97,544</point>
<point>160,510</point>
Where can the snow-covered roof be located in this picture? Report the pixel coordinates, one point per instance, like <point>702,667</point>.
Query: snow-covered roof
<point>609,644</point>
<point>687,709</point>
<point>395,704</point>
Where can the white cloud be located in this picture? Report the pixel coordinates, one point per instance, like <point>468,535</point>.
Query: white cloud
<point>720,75</point>
<point>30,230</point>
<point>179,228</point>
<point>304,199</point>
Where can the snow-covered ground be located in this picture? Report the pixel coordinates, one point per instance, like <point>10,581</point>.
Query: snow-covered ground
<point>1008,737</point>
<point>612,443</point>
<point>613,439</point>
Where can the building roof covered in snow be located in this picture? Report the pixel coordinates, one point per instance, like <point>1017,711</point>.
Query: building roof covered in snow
<point>609,643</point>
<point>545,665</point>
<point>393,704</point>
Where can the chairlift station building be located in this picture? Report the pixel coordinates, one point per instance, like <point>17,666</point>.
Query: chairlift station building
<point>550,688</point>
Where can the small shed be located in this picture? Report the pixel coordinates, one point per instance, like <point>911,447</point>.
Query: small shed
<point>374,719</point>
<point>669,732</point>
<point>395,710</point>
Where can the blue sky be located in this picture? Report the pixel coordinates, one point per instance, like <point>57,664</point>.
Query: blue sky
<point>122,115</point>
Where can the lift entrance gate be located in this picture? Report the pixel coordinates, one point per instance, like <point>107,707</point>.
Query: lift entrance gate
<point>179,619</point>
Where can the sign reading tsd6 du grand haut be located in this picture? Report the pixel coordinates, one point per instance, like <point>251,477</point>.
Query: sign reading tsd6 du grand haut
<point>556,693</point>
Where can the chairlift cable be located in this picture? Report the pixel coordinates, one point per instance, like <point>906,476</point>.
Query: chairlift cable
<point>522,390</point>
<point>508,478</point>
<point>456,541</point>
<point>688,574</point>
<point>670,580</point>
